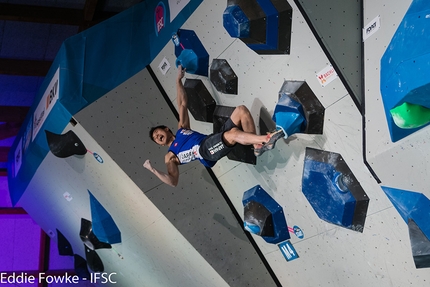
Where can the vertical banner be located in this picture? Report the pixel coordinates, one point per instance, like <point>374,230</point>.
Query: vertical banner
<point>46,103</point>
<point>27,137</point>
<point>18,158</point>
<point>176,7</point>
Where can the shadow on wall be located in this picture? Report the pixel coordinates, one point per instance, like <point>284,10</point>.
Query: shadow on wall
<point>236,230</point>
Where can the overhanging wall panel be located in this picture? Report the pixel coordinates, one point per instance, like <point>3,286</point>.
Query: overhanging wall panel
<point>338,27</point>
<point>57,198</point>
<point>120,122</point>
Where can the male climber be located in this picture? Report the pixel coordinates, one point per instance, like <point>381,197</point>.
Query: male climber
<point>188,145</point>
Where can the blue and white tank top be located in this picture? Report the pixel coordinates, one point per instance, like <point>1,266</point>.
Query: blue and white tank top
<point>186,147</point>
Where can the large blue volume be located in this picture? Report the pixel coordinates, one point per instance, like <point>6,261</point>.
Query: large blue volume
<point>405,66</point>
<point>333,191</point>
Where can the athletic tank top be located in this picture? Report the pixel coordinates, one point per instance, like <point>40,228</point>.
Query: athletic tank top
<point>186,147</point>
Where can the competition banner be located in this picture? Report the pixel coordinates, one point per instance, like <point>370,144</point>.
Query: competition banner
<point>18,158</point>
<point>46,103</point>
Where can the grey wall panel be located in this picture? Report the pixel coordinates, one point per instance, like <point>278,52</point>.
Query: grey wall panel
<point>120,122</point>
<point>338,25</point>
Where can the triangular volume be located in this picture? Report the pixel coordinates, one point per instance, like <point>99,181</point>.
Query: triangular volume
<point>64,246</point>
<point>103,225</point>
<point>81,268</point>
<point>93,260</point>
<point>412,205</point>
<point>420,245</point>
<point>403,200</point>
<point>89,238</point>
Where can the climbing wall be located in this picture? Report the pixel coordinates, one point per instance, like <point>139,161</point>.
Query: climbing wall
<point>120,122</point>
<point>329,255</point>
<point>192,235</point>
<point>60,202</point>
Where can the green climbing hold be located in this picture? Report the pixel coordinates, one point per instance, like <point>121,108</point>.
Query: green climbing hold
<point>410,116</point>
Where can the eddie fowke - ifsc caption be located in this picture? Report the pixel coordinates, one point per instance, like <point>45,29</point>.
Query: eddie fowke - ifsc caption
<point>66,278</point>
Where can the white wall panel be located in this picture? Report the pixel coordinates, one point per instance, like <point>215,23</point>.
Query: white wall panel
<point>329,255</point>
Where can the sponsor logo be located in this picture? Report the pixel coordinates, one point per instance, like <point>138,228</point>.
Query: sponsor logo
<point>160,17</point>
<point>98,157</point>
<point>187,132</point>
<point>189,155</point>
<point>52,94</point>
<point>327,75</point>
<point>38,118</point>
<point>216,148</point>
<point>288,250</point>
<point>186,156</point>
<point>323,77</point>
<point>371,28</point>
